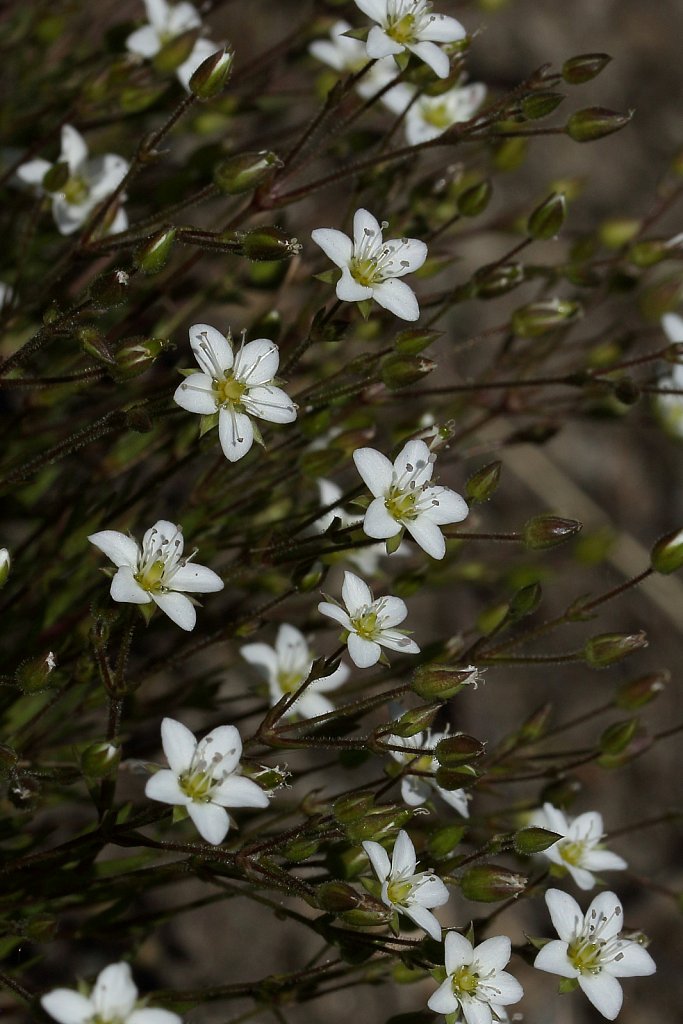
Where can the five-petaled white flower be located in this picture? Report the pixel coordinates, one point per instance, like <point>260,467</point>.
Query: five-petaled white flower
<point>404,498</point>
<point>369,622</point>
<point>157,571</point>
<point>113,1000</point>
<point>287,665</point>
<point>428,117</point>
<point>204,777</point>
<point>580,851</point>
<point>411,25</point>
<point>236,386</point>
<point>346,54</point>
<point>589,949</point>
<point>166,22</point>
<point>370,267</point>
<point>416,789</point>
<point>89,182</point>
<point>670,406</point>
<point>405,890</point>
<point>476,982</point>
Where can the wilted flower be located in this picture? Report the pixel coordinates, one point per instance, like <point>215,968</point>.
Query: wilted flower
<point>404,890</point>
<point>88,183</point>
<point>204,777</point>
<point>371,268</point>
<point>476,983</point>
<point>416,789</point>
<point>236,387</point>
<point>580,851</point>
<point>404,498</point>
<point>285,667</point>
<point>113,1000</point>
<point>166,22</point>
<point>369,622</point>
<point>589,949</point>
<point>348,55</point>
<point>411,25</point>
<point>430,116</point>
<point>157,571</point>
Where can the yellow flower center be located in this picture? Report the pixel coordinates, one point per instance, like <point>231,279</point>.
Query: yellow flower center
<point>151,578</point>
<point>398,891</point>
<point>400,504</point>
<point>465,981</point>
<point>572,853</point>
<point>289,681</point>
<point>197,785</point>
<point>402,31</point>
<point>585,956</point>
<point>364,270</point>
<point>436,115</point>
<point>365,625</point>
<point>75,190</point>
<point>229,391</point>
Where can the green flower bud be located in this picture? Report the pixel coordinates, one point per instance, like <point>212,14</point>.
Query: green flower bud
<point>5,566</point>
<point>94,345</point>
<point>649,252</point>
<point>137,355</point>
<point>442,681</point>
<point>212,75</point>
<point>541,104</point>
<point>595,123</point>
<point>269,244</point>
<point>244,172</point>
<point>534,726</point>
<point>413,342</point>
<point>461,777</point>
<point>534,840</point>
<point>618,736</point>
<point>636,693</point>
<point>152,256</point>
<point>301,849</point>
<point>445,840</point>
<point>538,318</point>
<point>309,576</point>
<point>368,918</point>
<point>400,371</point>
<point>488,883</point>
<point>667,554</point>
<point>608,648</point>
<point>414,721</point>
<point>33,675</point>
<point>336,897</point>
<point>458,749</point>
<point>483,484</point>
<point>378,824</point>
<point>584,67</point>
<point>474,200</point>
<point>100,759</point>
<point>490,282</point>
<point>176,51</point>
<point>547,219</point>
<point>525,601</point>
<point>548,531</point>
<point>353,807</point>
<point>110,289</point>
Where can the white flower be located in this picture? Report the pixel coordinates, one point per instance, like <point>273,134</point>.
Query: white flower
<point>112,1000</point>
<point>369,623</point>
<point>234,386</point>
<point>404,497</point>
<point>204,777</point>
<point>157,571</point>
<point>371,268</point>
<point>476,982</point>
<point>88,184</point>
<point>166,22</point>
<point>6,295</point>
<point>366,559</point>
<point>416,789</point>
<point>404,890</point>
<point>430,116</point>
<point>589,949</point>
<point>348,55</point>
<point>411,25</point>
<point>5,566</point>
<point>287,665</point>
<point>580,851</point>
<point>670,407</point>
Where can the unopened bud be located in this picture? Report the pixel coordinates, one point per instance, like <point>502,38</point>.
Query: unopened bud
<point>5,566</point>
<point>400,371</point>
<point>152,256</point>
<point>94,345</point>
<point>488,883</point>
<point>595,123</point>
<point>458,749</point>
<point>608,648</point>
<point>442,681</point>
<point>135,356</point>
<point>483,484</point>
<point>584,67</point>
<point>354,806</point>
<point>541,104</point>
<point>301,849</point>
<point>309,576</point>
<point>380,823</point>
<point>534,840</point>
<point>368,918</point>
<point>548,531</point>
<point>538,318</point>
<point>649,252</point>
<point>336,897</point>
<point>444,841</point>
<point>490,282</point>
<point>33,675</point>
<point>617,737</point>
<point>667,554</point>
<point>212,75</point>
<point>534,726</point>
<point>414,721</point>
<point>413,342</point>
<point>638,692</point>
<point>176,51</point>
<point>461,777</point>
<point>474,200</point>
<point>245,171</point>
<point>547,219</point>
<point>110,289</point>
<point>525,601</point>
<point>100,759</point>
<point>269,244</point>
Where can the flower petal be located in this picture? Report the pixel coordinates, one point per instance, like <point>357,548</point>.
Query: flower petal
<point>257,362</point>
<point>375,9</point>
<point>408,255</point>
<point>201,51</point>
<point>238,791</point>
<point>312,704</point>
<point>158,13</point>
<point>414,790</point>
<point>458,951</point>
<point>604,992</point>
<point>178,608</point>
<point>356,594</point>
<point>632,961</point>
<point>398,298</point>
<point>164,787</point>
<point>32,173</point>
<point>69,217</point>
<point>447,506</point>
<point>337,246</point>
<point>379,44</point>
<point>262,657</point>
<point>125,588</point>
<point>583,878</point>
<point>394,640</point>
<point>366,231</point>
<point>333,611</point>
<point>153,1015</point>
<point>115,992</point>
<point>212,350</point>
<point>379,858</point>
<point>442,29</point>
<point>604,860</point>
<point>433,56</point>
<point>181,17</point>
<point>427,534</point>
<point>671,322</point>
<point>607,906</point>
<point>270,403</point>
<point>375,470</point>
<point>443,1000</point>
<point>235,433</point>
<point>332,682</point>
<point>553,959</point>
<point>363,653</point>
<point>119,547</point>
<point>424,919</point>
<point>196,394</point>
<point>222,745</point>
<point>476,1012</point>
<point>379,522</point>
<point>291,647</point>
<point>144,42</point>
<point>211,821</point>
<point>350,290</point>
<point>565,913</point>
<point>588,826</point>
<point>509,989</point>
<point>195,579</point>
<point>393,611</point>
<point>455,798</point>
<point>403,859</point>
<point>105,174</point>
<point>74,149</point>
<point>493,954</point>
<point>67,1006</point>
<point>179,745</point>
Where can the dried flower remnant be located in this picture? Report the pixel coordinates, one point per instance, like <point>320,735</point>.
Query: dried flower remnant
<point>204,778</point>
<point>405,890</point>
<point>369,623</point>
<point>590,950</point>
<point>234,386</point>
<point>157,571</point>
<point>372,268</point>
<point>476,983</point>
<point>165,23</point>
<point>411,25</point>
<point>112,1000</point>
<point>580,851</point>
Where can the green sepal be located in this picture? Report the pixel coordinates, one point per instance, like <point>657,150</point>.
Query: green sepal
<point>207,423</point>
<point>394,543</point>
